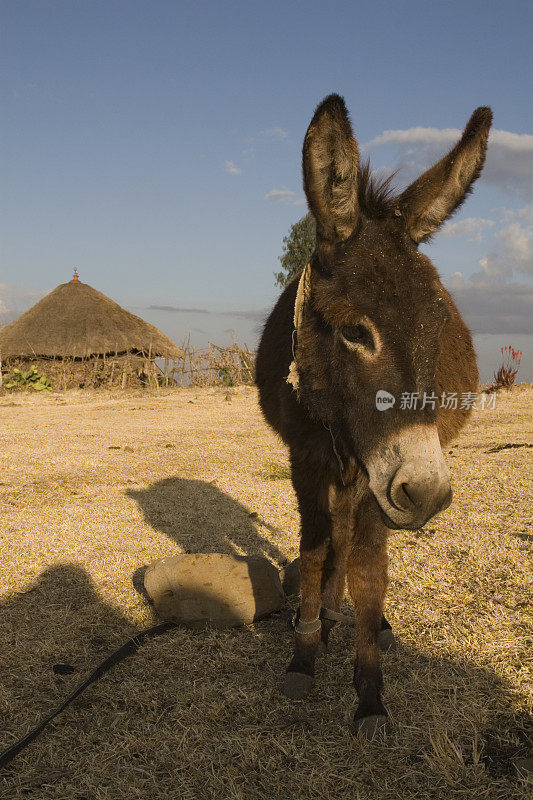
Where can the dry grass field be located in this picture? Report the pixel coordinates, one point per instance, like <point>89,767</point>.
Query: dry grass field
<point>93,486</point>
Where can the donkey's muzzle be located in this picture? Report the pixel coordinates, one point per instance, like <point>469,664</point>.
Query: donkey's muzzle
<point>409,477</point>
<point>417,495</point>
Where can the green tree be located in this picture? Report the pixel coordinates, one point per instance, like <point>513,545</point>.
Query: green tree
<point>298,248</point>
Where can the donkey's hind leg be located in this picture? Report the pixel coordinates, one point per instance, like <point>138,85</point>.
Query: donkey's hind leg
<point>341,505</point>
<point>311,491</point>
<point>367,582</point>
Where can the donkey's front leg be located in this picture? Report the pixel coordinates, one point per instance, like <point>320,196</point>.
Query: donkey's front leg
<point>367,583</point>
<point>311,492</point>
<point>301,670</point>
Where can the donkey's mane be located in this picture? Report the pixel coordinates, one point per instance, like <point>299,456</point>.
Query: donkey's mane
<point>377,195</point>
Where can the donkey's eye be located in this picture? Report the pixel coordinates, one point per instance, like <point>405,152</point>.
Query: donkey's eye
<point>358,334</point>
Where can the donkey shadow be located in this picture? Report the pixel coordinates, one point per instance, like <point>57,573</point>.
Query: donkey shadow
<point>60,619</point>
<point>201,518</point>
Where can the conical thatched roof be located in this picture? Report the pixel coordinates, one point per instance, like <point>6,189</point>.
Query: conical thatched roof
<point>76,321</point>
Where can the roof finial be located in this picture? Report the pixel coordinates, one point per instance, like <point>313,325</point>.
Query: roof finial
<point>75,277</point>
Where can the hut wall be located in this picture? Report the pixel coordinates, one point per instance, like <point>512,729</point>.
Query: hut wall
<point>125,371</point>
<point>212,366</point>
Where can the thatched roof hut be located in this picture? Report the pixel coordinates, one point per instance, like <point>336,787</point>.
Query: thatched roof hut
<point>77,322</point>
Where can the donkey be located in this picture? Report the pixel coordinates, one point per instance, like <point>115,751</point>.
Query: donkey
<point>361,370</point>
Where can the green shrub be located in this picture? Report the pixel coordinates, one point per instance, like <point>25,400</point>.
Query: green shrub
<point>225,376</point>
<point>32,379</point>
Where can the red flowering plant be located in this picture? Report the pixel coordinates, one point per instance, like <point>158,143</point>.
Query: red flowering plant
<point>504,378</point>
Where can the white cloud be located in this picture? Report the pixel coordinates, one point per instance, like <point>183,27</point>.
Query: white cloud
<point>274,133</point>
<point>232,168</point>
<point>427,137</point>
<point>509,164</point>
<point>526,212</point>
<point>14,300</point>
<point>517,242</point>
<point>493,307</point>
<point>512,251</point>
<point>285,195</point>
<point>492,299</point>
<point>270,133</point>
<point>471,227</point>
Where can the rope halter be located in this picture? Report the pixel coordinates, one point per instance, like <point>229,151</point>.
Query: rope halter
<point>302,296</point>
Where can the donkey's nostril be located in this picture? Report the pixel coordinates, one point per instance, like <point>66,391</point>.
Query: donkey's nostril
<point>410,500</point>
<point>406,496</point>
<point>400,495</point>
<point>419,493</point>
<point>416,494</point>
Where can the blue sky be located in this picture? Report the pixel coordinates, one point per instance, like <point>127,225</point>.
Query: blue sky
<point>156,145</point>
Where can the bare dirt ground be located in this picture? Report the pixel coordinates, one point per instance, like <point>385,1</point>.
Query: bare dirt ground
<point>92,486</point>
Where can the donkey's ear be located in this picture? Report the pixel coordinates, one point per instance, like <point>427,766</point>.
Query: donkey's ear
<point>330,167</point>
<point>439,191</point>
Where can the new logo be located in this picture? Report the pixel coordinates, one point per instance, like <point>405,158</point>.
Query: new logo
<point>384,400</point>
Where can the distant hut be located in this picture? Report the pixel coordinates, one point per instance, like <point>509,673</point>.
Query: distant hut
<point>79,337</point>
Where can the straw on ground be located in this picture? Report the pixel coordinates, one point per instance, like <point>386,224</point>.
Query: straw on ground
<point>94,485</point>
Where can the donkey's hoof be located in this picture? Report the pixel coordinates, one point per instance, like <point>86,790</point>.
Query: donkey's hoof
<point>370,727</point>
<point>297,685</point>
<point>387,640</point>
